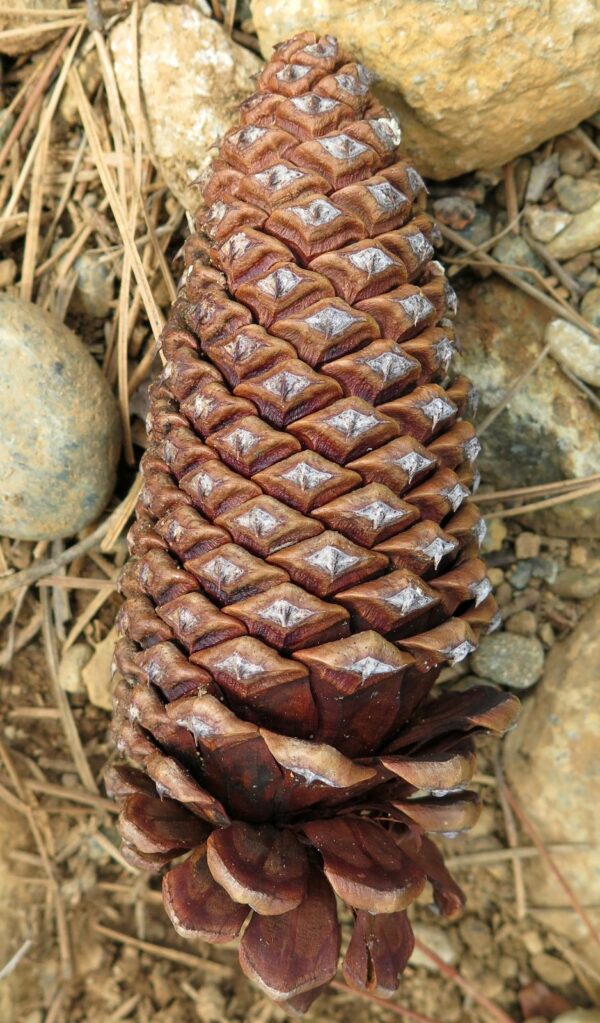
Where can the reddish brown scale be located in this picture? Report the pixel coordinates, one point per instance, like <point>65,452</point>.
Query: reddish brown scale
<point>305,557</point>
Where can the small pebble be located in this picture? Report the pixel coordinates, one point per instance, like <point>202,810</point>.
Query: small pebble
<point>542,174</point>
<point>589,277</point>
<point>438,940</point>
<point>98,671</point>
<point>574,349</point>
<point>578,555</point>
<point>504,594</point>
<point>573,157</point>
<point>8,272</point>
<point>495,536</point>
<point>546,634</point>
<point>527,545</point>
<point>455,211</point>
<point>590,306</point>
<point>71,664</point>
<point>480,228</point>
<point>545,224</point>
<point>496,576</point>
<point>514,250</point>
<point>523,623</point>
<point>477,936</point>
<point>552,970</point>
<point>521,575</point>
<point>508,968</point>
<point>94,289</point>
<point>578,583</point>
<point>533,942</point>
<point>513,661</point>
<point>576,194</point>
<point>581,235</point>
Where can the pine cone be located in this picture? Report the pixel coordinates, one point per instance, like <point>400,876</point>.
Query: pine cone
<point>304,559</point>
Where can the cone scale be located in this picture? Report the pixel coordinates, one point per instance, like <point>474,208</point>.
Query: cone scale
<point>304,559</point>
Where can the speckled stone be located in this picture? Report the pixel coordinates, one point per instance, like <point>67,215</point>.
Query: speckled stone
<point>509,660</point>
<point>60,431</point>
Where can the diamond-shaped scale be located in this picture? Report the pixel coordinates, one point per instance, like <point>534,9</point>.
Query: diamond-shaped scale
<point>288,618</point>
<point>328,563</point>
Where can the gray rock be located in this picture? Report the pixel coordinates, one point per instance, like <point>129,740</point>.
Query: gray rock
<point>582,234</point>
<point>574,349</point>
<point>578,583</point>
<point>438,940</point>
<point>192,78</point>
<point>545,224</point>
<point>552,767</point>
<point>514,250</point>
<point>548,430</point>
<point>60,430</point>
<point>94,289</point>
<point>590,306</point>
<point>480,228</point>
<point>542,174</point>
<point>576,194</point>
<point>573,157</point>
<point>509,660</point>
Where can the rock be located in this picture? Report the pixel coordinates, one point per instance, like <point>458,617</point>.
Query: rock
<point>552,970</point>
<point>509,660</point>
<point>71,665</point>
<point>545,224</point>
<point>192,79</point>
<point>480,228</point>
<point>475,85</point>
<point>477,936</point>
<point>527,545</point>
<point>8,272</point>
<point>542,175</point>
<point>523,623</point>
<point>576,194</point>
<point>495,536</point>
<point>438,940</point>
<point>94,289</point>
<point>455,211</point>
<point>574,349</point>
<point>578,583</point>
<point>29,39</point>
<point>582,234</point>
<point>573,157</point>
<point>589,277</point>
<point>89,71</point>
<point>514,250</point>
<point>548,431</point>
<point>97,674</point>
<point>60,429</point>
<point>590,307</point>
<point>553,768</point>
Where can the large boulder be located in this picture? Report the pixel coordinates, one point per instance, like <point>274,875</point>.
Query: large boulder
<point>548,431</point>
<point>192,79</point>
<point>552,766</point>
<point>475,83</point>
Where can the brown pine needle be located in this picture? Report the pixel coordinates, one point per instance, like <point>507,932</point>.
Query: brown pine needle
<point>512,274</point>
<point>172,955</point>
<point>153,312</point>
<point>572,495</point>
<point>517,493</point>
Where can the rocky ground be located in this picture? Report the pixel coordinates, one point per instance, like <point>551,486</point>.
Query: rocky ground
<point>522,244</point>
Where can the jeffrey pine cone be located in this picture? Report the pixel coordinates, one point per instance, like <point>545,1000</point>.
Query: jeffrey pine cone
<point>305,555</point>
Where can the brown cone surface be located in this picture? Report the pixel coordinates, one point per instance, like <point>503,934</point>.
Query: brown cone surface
<point>305,556</point>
